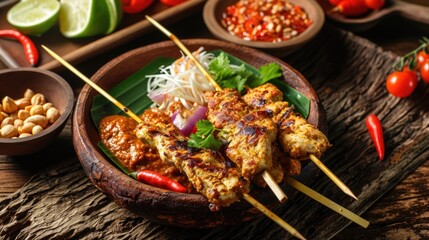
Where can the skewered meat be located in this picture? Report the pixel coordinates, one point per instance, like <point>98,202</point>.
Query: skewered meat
<point>251,135</point>
<point>210,174</point>
<point>296,136</point>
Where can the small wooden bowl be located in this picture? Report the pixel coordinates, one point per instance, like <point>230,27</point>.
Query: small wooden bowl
<point>214,9</point>
<point>163,206</point>
<point>13,83</point>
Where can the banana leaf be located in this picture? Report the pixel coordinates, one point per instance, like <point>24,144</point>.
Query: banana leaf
<point>132,92</point>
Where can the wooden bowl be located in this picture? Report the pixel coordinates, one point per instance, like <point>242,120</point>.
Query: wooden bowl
<point>13,83</point>
<point>163,206</point>
<point>214,9</point>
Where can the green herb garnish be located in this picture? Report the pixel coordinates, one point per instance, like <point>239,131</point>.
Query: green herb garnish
<point>204,137</point>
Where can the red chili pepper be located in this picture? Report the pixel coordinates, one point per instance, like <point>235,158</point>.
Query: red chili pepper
<point>157,180</point>
<point>135,6</point>
<point>376,131</point>
<point>351,8</point>
<point>30,49</point>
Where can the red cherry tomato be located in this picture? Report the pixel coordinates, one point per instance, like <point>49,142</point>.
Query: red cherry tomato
<point>171,2</point>
<point>374,4</point>
<point>409,71</point>
<point>424,71</point>
<point>401,84</point>
<point>421,57</point>
<point>135,6</point>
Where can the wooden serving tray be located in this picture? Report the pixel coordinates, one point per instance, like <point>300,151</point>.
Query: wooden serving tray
<point>413,10</point>
<point>77,50</point>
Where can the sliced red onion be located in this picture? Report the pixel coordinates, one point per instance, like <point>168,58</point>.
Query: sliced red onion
<point>156,98</point>
<point>187,125</point>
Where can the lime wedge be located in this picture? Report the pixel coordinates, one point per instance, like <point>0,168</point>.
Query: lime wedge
<point>84,18</point>
<point>34,17</point>
<point>115,12</point>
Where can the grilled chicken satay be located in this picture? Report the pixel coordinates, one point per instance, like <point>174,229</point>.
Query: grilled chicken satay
<point>207,170</point>
<point>251,135</point>
<point>296,136</point>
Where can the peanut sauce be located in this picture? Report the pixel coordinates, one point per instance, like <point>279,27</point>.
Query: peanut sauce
<point>117,134</point>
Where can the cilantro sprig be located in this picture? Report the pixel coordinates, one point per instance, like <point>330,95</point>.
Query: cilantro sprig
<point>237,77</point>
<point>204,137</point>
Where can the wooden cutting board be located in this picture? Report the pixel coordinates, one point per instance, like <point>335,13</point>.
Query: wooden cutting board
<point>348,73</point>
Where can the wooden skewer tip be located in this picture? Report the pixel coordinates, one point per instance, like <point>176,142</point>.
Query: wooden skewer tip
<point>332,176</point>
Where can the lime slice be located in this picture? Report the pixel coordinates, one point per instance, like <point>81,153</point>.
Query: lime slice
<point>34,17</point>
<point>84,18</point>
<point>115,11</point>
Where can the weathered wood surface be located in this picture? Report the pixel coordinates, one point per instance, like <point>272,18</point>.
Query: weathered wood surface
<point>348,73</point>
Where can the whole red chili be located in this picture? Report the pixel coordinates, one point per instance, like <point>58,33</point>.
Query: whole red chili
<point>157,180</point>
<point>30,49</point>
<point>376,131</point>
<point>352,8</point>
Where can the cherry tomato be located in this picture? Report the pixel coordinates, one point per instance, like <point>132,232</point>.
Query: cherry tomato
<point>401,83</point>
<point>135,6</point>
<point>171,2</point>
<point>410,71</point>
<point>421,57</point>
<point>374,4</point>
<point>424,71</point>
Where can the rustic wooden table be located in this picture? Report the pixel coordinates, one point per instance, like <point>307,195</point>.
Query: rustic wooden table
<point>402,213</point>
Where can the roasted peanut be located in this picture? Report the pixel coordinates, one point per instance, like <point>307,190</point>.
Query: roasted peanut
<point>26,128</point>
<point>18,123</point>
<point>37,110</point>
<point>1,118</point>
<point>38,99</point>
<point>9,106</point>
<point>52,114</point>
<point>23,114</point>
<point>22,103</point>
<point>47,105</point>
<point>38,120</point>
<point>25,135</point>
<point>5,115</point>
<point>36,129</point>
<point>28,93</point>
<point>8,131</point>
<point>1,108</point>
<point>7,121</point>
<point>28,108</point>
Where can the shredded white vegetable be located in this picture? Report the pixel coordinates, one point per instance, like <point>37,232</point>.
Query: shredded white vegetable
<point>182,81</point>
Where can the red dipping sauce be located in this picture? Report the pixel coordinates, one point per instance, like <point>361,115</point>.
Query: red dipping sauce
<point>265,20</point>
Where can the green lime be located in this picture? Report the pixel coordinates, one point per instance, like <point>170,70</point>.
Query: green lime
<point>115,10</point>
<point>84,18</point>
<point>34,17</point>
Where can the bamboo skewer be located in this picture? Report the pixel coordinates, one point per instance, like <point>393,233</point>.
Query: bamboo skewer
<point>246,196</point>
<point>278,192</point>
<point>326,201</point>
<point>332,176</point>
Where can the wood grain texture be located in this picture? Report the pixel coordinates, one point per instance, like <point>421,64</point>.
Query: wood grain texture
<point>348,73</point>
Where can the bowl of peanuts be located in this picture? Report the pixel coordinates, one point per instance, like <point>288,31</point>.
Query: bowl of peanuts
<point>278,27</point>
<point>35,106</point>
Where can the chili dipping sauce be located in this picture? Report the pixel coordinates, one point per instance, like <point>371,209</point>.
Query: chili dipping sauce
<point>265,20</point>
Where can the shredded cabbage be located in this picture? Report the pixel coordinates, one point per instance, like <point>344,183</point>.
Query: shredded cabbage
<point>181,81</point>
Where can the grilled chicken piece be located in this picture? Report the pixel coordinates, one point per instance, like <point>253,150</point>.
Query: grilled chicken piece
<point>251,135</point>
<point>296,136</point>
<point>210,174</point>
<point>225,107</point>
<point>251,143</point>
